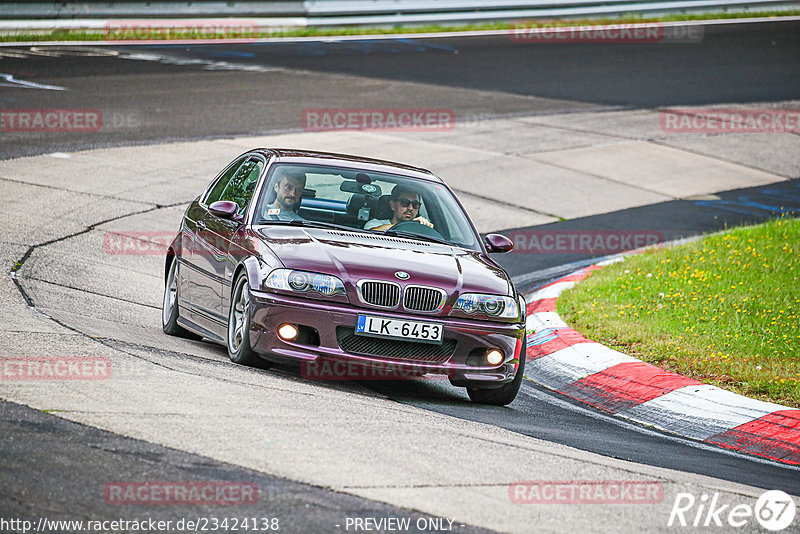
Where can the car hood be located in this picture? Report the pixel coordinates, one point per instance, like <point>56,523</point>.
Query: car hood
<point>353,256</point>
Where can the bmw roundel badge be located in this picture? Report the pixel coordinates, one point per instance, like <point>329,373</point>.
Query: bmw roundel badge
<point>402,275</point>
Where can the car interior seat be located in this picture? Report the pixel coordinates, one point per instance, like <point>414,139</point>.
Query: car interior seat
<point>383,210</point>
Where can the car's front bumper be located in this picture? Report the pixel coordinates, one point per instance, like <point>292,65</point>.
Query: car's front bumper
<point>460,357</point>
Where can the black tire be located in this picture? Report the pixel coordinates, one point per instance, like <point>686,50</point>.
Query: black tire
<point>505,394</point>
<point>238,334</point>
<point>169,306</point>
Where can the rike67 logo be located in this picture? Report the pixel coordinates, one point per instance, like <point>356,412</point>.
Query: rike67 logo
<point>774,510</point>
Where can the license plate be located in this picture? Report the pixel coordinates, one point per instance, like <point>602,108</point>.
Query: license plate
<point>369,325</point>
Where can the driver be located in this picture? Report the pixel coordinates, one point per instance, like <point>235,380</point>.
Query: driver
<point>288,193</point>
<point>405,205</point>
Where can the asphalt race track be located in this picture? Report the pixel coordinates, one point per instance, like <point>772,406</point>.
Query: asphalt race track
<point>159,94</point>
<point>734,63</point>
<point>300,507</point>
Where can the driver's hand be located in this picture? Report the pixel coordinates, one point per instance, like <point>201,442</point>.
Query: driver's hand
<point>423,220</point>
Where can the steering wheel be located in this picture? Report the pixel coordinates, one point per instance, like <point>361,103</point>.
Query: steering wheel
<point>416,227</point>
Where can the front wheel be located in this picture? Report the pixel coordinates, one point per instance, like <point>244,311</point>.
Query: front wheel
<point>169,308</point>
<point>239,350</point>
<point>505,394</point>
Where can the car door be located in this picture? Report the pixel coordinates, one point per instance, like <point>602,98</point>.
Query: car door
<point>196,278</point>
<point>214,244</point>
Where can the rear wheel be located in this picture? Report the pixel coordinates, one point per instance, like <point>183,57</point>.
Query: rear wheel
<point>169,308</point>
<point>505,394</point>
<point>239,349</point>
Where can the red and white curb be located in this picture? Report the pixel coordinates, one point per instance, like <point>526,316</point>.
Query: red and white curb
<point>562,359</point>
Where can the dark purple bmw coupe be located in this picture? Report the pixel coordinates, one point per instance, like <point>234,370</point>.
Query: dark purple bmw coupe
<point>312,257</point>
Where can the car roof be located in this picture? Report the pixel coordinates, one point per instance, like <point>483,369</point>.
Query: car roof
<point>287,155</point>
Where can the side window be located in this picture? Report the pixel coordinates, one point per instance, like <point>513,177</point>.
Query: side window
<point>219,187</point>
<point>240,188</point>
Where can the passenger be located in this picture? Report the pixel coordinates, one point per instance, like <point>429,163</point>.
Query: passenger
<point>405,203</point>
<point>288,194</point>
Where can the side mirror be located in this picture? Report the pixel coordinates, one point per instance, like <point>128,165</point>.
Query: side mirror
<point>225,209</point>
<point>498,243</point>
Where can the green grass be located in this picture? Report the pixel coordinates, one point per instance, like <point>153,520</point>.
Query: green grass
<point>724,310</point>
<point>99,35</point>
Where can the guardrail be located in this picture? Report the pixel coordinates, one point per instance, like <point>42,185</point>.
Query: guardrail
<point>373,12</point>
<point>395,12</point>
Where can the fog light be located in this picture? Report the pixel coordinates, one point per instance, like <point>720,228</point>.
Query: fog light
<point>494,357</point>
<point>287,332</point>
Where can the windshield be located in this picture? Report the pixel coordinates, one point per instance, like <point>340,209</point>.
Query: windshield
<point>360,200</point>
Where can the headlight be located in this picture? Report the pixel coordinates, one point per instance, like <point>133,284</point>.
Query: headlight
<point>490,305</point>
<point>304,282</point>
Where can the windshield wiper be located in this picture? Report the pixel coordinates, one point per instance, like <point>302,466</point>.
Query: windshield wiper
<point>412,235</point>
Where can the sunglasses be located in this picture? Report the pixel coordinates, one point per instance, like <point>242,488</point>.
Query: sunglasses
<point>405,202</point>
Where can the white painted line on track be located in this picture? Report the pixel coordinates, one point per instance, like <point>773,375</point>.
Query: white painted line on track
<point>555,400</point>
<point>700,411</point>
<point>574,363</point>
<point>544,321</point>
<point>11,81</point>
<point>551,292</point>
